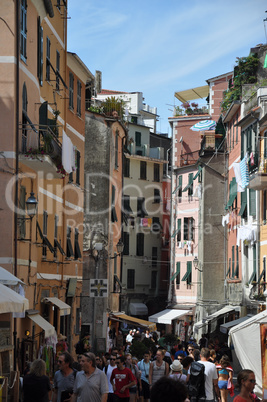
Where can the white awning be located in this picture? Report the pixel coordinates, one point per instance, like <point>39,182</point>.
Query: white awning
<point>63,307</point>
<point>224,328</point>
<point>39,320</point>
<point>138,309</point>
<point>192,94</point>
<point>166,316</point>
<point>12,302</point>
<point>222,311</point>
<point>6,278</point>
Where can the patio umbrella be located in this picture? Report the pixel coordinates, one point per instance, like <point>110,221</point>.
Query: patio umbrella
<point>204,125</point>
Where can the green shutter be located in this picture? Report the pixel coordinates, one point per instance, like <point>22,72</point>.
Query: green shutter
<point>252,202</point>
<point>177,271</point>
<point>243,203</point>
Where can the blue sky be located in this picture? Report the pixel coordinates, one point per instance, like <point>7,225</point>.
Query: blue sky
<point>159,47</point>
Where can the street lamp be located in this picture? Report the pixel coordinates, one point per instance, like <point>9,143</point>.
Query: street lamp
<point>196,263</point>
<point>120,248</point>
<point>31,205</point>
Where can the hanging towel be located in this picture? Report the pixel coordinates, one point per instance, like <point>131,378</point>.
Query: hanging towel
<point>237,170</point>
<point>265,62</point>
<point>251,159</point>
<point>68,159</point>
<point>244,173</point>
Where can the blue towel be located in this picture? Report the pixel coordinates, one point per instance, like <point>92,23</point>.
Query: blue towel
<point>244,173</point>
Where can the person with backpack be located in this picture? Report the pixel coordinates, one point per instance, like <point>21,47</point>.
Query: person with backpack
<point>108,371</point>
<point>202,377</point>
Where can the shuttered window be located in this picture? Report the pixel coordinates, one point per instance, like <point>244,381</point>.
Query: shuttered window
<point>140,244</point>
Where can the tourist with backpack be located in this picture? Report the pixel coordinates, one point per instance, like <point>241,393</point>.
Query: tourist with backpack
<point>202,378</point>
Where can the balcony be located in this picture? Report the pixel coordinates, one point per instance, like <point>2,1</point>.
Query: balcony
<point>258,171</point>
<point>210,143</point>
<point>189,158</point>
<point>41,150</point>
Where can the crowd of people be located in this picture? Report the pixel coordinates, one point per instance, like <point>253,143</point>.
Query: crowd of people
<point>185,373</point>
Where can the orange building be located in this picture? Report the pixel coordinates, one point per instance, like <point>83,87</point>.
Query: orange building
<point>42,152</point>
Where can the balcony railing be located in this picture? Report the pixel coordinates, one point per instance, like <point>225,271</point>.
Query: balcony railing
<point>257,167</point>
<point>210,143</point>
<point>40,149</point>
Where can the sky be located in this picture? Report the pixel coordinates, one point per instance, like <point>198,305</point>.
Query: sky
<point>158,47</point>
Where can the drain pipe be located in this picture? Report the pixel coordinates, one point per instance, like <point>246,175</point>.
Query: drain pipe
<point>16,170</point>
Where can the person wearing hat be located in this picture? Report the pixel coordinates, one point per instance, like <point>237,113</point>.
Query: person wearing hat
<point>177,371</point>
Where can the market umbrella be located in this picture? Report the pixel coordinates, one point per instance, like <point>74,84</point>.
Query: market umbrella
<point>204,125</point>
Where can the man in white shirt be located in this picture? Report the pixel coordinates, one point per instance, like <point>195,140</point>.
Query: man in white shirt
<point>129,337</point>
<point>108,370</point>
<point>211,377</point>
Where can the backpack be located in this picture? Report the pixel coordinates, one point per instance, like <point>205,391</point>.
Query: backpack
<point>196,383</point>
<point>79,348</point>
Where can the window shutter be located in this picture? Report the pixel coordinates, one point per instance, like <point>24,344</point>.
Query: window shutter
<point>179,227</point>
<point>140,244</point>
<point>78,166</point>
<point>252,202</point>
<point>126,243</point>
<point>233,261</point>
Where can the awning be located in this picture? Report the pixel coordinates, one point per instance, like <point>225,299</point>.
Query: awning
<point>45,325</point>
<point>223,311</point>
<point>199,324</point>
<point>12,302</point>
<point>166,316</point>
<point>6,278</point>
<point>224,328</point>
<point>138,309</point>
<point>133,320</point>
<point>193,93</point>
<point>63,307</point>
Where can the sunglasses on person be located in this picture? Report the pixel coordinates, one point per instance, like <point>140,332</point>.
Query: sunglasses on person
<point>190,350</point>
<point>252,381</point>
<point>112,359</point>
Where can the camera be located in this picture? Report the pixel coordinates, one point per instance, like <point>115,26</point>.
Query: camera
<point>146,375</point>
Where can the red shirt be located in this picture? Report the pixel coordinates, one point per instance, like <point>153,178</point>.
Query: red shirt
<point>122,378</point>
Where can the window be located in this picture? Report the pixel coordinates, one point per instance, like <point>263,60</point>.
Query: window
<point>142,170</point>
<point>243,208</point>
<point>154,257</point>
<point>77,251</point>
<point>126,238</point>
<point>69,244</point>
<point>252,202</point>
<point>113,209</point>
<point>23,30</point>
<point>78,166</point>
<point>57,70</point>
<point>116,149</point>
<point>228,273</point>
<point>178,276</point>
<point>233,261</point>
<point>141,211</point>
<point>22,206</point>
<point>71,88</point>
<point>189,228</point>
<point>264,212</point>
<point>180,190</point>
<point>40,52</point>
<point>130,278</point>
<point>190,184</point>
<point>126,204</point>
<point>140,244</point>
<point>154,275</point>
<point>156,172</point>
<point>48,49</point>
<point>265,145</point>
<point>156,226</point>
<point>237,263</point>
<point>188,275</point>
<point>126,167</point>
<point>254,272</point>
<point>179,232</point>
<point>157,196</point>
<point>79,98</point>
<point>46,242</point>
<point>138,139</point>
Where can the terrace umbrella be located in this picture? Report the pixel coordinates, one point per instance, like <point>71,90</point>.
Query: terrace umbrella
<point>204,125</point>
